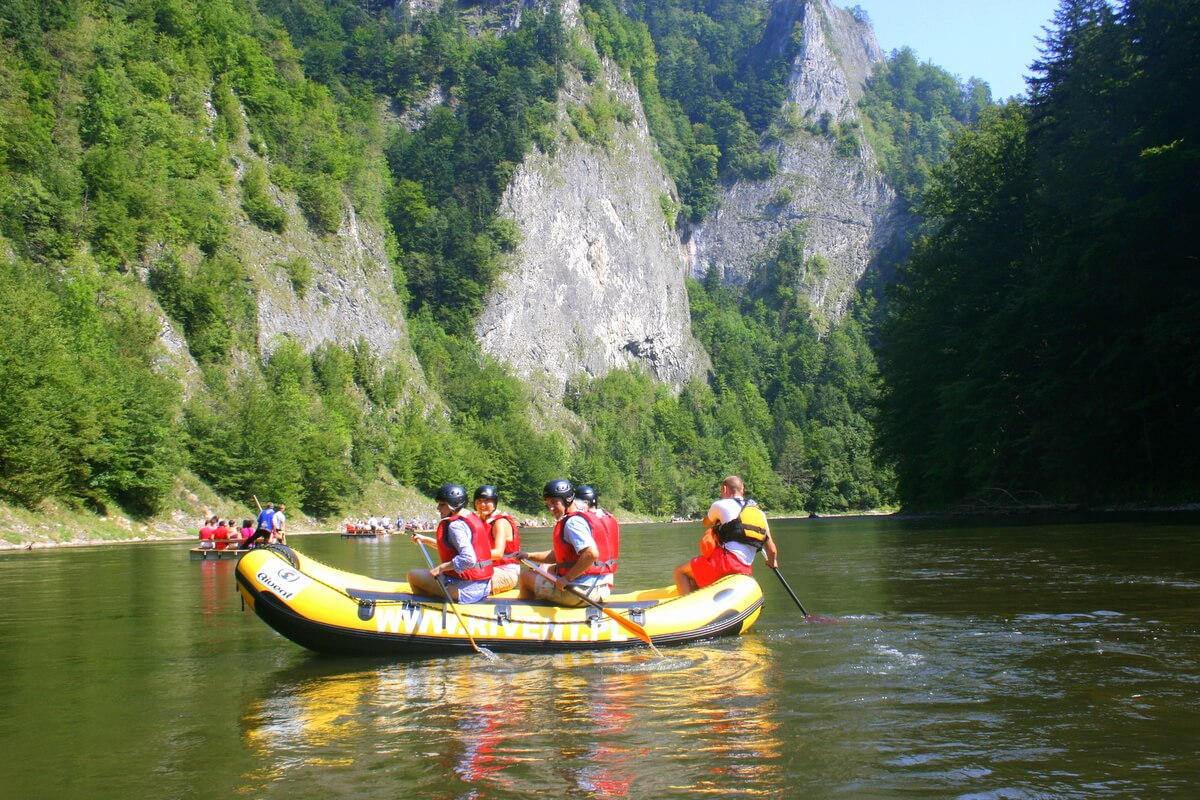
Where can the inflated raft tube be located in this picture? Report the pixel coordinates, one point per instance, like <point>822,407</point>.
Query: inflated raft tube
<point>331,611</point>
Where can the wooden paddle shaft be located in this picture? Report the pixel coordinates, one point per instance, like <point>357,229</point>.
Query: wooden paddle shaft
<point>624,622</point>
<point>449,599</point>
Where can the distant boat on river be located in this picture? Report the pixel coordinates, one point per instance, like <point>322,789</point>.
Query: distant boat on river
<point>213,554</point>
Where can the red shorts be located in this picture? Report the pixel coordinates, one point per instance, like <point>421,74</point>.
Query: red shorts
<point>719,563</point>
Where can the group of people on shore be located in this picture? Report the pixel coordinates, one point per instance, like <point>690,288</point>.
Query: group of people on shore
<point>267,528</point>
<point>381,525</point>
<point>479,552</point>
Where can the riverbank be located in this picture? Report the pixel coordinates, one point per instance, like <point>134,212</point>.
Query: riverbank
<point>26,530</point>
<point>191,502</point>
<point>54,525</point>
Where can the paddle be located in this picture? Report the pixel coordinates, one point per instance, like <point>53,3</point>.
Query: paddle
<point>789,591</point>
<point>624,622</point>
<point>483,651</point>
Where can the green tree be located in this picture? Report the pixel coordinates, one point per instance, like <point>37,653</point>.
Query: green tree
<point>257,202</point>
<point>37,385</point>
<point>1039,338</point>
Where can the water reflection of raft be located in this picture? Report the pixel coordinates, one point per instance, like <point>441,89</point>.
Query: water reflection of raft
<point>209,553</point>
<point>331,611</point>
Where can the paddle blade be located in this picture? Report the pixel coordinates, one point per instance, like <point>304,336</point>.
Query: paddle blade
<point>632,627</point>
<point>624,622</point>
<point>629,625</point>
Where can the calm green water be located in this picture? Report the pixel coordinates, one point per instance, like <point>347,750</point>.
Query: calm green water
<point>967,660</point>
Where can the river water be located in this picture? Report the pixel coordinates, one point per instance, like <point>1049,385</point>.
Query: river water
<point>972,659</point>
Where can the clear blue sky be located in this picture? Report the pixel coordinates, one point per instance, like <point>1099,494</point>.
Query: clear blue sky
<point>994,40</point>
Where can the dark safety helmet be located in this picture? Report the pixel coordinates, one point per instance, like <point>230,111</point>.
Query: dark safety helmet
<point>587,493</point>
<point>452,495</point>
<point>487,492</point>
<point>560,488</point>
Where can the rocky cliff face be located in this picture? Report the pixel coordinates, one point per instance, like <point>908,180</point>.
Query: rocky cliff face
<point>828,188</point>
<point>350,295</point>
<point>598,280</point>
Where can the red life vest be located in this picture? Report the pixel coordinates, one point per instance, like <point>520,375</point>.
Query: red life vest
<point>614,538</point>
<point>481,544</point>
<point>514,542</point>
<point>566,555</point>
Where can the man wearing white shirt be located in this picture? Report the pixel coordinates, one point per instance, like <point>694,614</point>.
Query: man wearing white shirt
<point>735,548</point>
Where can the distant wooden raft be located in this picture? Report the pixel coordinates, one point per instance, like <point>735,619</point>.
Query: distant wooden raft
<point>210,553</point>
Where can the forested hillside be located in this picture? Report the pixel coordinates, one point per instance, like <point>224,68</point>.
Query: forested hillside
<point>1045,331</point>
<point>1041,337</point>
<point>137,140</point>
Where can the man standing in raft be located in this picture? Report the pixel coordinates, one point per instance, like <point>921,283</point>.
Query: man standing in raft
<point>740,531</point>
<point>278,523</point>
<point>464,545</point>
<point>264,527</point>
<point>581,552</point>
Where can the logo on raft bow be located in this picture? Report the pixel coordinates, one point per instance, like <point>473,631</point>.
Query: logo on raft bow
<point>283,581</point>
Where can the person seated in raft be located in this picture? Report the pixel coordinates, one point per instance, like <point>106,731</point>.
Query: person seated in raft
<point>235,534</point>
<point>221,535</point>
<point>208,534</point>
<point>580,552</point>
<point>729,543</point>
<point>506,539</point>
<point>464,547</point>
<point>592,498</point>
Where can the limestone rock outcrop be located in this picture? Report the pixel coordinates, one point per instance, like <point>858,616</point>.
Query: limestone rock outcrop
<point>597,281</point>
<point>832,194</point>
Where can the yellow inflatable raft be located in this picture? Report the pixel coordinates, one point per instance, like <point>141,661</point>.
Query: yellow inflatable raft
<point>331,611</point>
